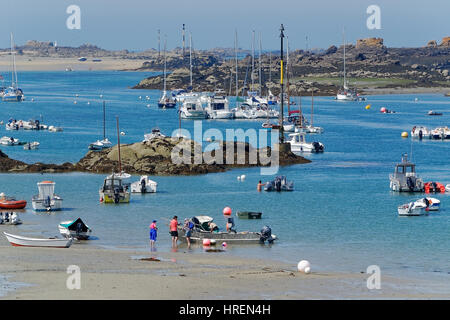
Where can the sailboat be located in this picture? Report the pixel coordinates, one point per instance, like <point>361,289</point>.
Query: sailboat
<point>114,188</point>
<point>12,93</point>
<point>345,93</point>
<point>310,128</point>
<point>166,101</point>
<point>101,144</point>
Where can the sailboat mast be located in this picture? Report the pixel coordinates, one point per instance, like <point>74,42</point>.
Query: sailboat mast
<point>282,85</point>
<point>259,60</point>
<point>104,120</point>
<point>287,74</point>
<point>300,111</point>
<point>118,144</point>
<point>253,56</point>
<point>270,66</point>
<point>165,65</point>
<point>345,80</point>
<point>312,107</point>
<point>236,61</point>
<point>190,56</point>
<point>13,58</point>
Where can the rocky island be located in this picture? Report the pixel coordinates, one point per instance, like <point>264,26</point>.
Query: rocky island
<point>370,66</point>
<point>155,158</point>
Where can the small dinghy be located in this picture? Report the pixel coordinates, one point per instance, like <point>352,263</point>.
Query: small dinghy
<point>75,229</point>
<point>144,185</point>
<point>434,113</point>
<point>249,215</point>
<point>280,183</point>
<point>31,145</point>
<point>11,203</point>
<point>19,241</point>
<point>434,187</point>
<point>11,218</point>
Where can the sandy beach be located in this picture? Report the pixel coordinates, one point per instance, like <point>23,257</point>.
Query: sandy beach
<point>29,63</point>
<point>41,273</point>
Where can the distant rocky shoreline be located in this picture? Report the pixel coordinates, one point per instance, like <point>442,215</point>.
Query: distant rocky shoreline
<point>151,158</point>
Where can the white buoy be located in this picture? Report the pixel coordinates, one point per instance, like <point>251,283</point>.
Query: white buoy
<point>140,97</point>
<point>239,178</point>
<point>304,266</point>
<point>76,95</point>
<point>32,99</point>
<point>148,106</point>
<point>101,96</point>
<point>243,177</point>
<point>88,103</point>
<point>122,133</point>
<point>75,102</point>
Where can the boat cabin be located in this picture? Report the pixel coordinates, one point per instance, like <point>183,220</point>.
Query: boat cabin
<point>114,182</point>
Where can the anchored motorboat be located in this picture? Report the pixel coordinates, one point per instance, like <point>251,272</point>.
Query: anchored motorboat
<point>298,143</point>
<point>46,200</point>
<point>404,178</point>
<point>280,183</point>
<point>420,132</point>
<point>434,113</point>
<point>31,145</point>
<point>218,106</point>
<point>412,209</point>
<point>192,109</point>
<point>115,190</point>
<point>75,229</point>
<point>10,141</point>
<point>144,185</point>
<point>156,133</point>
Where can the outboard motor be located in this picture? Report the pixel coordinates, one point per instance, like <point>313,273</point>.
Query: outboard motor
<point>410,183</point>
<point>266,234</point>
<point>6,217</point>
<point>278,184</point>
<point>143,186</point>
<point>420,134</point>
<point>116,195</point>
<point>47,203</point>
<point>38,127</point>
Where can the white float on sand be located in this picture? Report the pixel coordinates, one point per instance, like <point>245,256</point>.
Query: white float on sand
<point>304,266</point>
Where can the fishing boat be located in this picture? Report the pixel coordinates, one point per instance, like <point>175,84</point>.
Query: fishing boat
<point>248,214</point>
<point>298,143</point>
<point>46,200</point>
<point>13,93</point>
<point>405,178</point>
<point>10,218</point>
<point>31,145</point>
<point>202,231</point>
<point>218,106</point>
<point>192,109</point>
<point>166,101</point>
<point>19,241</point>
<point>412,209</point>
<point>115,189</point>
<point>11,202</point>
<point>75,229</point>
<point>420,132</point>
<point>280,183</point>
<point>144,185</point>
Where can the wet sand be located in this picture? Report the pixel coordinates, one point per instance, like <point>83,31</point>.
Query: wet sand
<point>120,274</point>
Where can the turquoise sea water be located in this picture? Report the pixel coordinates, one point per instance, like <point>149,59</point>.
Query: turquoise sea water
<point>341,216</point>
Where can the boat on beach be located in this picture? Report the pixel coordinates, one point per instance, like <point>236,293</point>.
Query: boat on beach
<point>144,185</point>
<point>75,229</point>
<point>46,200</point>
<point>202,231</point>
<point>20,241</point>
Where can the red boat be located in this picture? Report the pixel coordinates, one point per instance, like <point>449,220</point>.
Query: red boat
<point>434,187</point>
<point>11,203</point>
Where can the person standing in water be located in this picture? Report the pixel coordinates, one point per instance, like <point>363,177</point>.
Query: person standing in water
<point>153,234</point>
<point>173,228</point>
<point>259,186</point>
<point>188,226</point>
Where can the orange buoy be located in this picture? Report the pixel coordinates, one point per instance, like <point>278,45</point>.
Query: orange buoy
<point>227,211</point>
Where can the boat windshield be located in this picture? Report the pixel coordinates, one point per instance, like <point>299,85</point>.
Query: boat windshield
<point>218,106</point>
<point>405,169</point>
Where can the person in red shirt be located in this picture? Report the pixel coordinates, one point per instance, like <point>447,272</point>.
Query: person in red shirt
<point>173,227</point>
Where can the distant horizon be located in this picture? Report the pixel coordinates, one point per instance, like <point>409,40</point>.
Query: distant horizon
<point>114,25</point>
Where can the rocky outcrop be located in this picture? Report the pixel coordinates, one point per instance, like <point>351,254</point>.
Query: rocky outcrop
<point>369,42</point>
<point>432,44</point>
<point>445,42</point>
<point>155,158</point>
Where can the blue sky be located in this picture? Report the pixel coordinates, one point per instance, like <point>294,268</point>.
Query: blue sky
<point>133,24</point>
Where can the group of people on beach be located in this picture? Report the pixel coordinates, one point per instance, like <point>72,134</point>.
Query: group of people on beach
<point>173,230</point>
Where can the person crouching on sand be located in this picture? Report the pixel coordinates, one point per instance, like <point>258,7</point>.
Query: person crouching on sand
<point>153,234</point>
<point>173,228</point>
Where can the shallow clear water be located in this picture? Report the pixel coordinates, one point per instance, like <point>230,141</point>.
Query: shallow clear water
<point>341,215</point>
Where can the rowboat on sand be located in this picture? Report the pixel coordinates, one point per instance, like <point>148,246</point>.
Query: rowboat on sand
<point>19,241</point>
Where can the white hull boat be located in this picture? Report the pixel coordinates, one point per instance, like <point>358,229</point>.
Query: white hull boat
<point>19,241</point>
<point>46,200</point>
<point>412,209</point>
<point>192,109</point>
<point>156,133</point>
<point>432,204</point>
<point>75,229</point>
<point>31,145</point>
<point>9,141</point>
<point>420,132</point>
<point>144,185</point>
<point>298,144</point>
